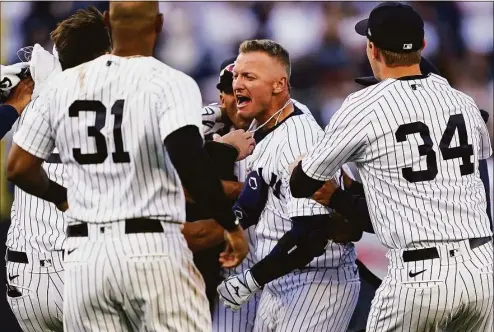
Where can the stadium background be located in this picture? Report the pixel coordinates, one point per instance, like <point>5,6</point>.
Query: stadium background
<point>326,54</point>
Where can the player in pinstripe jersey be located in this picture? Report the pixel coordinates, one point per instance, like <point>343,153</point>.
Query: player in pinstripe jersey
<point>417,142</point>
<point>37,233</point>
<point>220,119</point>
<point>128,267</point>
<point>307,299</point>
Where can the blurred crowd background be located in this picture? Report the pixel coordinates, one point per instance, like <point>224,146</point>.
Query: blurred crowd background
<point>326,52</point>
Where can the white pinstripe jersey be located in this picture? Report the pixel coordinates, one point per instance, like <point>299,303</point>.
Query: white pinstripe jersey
<point>37,225</point>
<point>276,149</point>
<point>416,142</point>
<point>109,118</point>
<point>211,123</point>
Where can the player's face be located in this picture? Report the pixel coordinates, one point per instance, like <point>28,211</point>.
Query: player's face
<point>253,83</point>
<point>229,104</point>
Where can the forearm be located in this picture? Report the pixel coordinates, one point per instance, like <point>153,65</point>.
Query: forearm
<point>8,115</point>
<point>301,185</point>
<point>203,183</point>
<point>38,184</point>
<point>232,189</point>
<point>203,234</point>
<point>352,207</point>
<point>297,248</point>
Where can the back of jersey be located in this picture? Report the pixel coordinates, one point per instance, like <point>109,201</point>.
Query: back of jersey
<point>421,164</point>
<point>110,117</point>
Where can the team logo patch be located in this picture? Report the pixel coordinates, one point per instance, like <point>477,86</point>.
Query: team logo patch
<point>407,46</point>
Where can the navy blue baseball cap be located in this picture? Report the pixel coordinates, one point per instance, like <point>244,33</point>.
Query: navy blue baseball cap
<point>394,27</point>
<point>226,76</point>
<point>426,68</point>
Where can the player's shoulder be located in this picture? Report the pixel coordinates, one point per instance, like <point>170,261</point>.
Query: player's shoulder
<point>162,75</point>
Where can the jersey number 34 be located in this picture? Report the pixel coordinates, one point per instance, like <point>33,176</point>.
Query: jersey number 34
<point>119,156</point>
<point>463,151</point>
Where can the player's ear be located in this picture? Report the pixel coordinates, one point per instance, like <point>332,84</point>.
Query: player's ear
<point>106,19</point>
<point>159,23</point>
<point>374,50</point>
<point>222,101</point>
<point>280,85</point>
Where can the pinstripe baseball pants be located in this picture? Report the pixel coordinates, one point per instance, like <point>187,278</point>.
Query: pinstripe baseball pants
<point>309,300</point>
<point>454,292</point>
<point>117,282</point>
<point>35,290</point>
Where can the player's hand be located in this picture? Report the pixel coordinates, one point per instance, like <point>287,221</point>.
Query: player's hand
<point>323,194</point>
<point>242,140</point>
<point>63,206</point>
<point>20,96</point>
<point>236,248</point>
<point>237,290</point>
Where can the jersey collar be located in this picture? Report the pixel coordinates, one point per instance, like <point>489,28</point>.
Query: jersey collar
<point>260,134</point>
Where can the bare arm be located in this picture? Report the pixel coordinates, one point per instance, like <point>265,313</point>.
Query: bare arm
<point>25,171</point>
<point>203,234</point>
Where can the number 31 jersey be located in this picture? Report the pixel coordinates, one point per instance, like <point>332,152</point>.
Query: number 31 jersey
<point>416,142</point>
<point>109,118</point>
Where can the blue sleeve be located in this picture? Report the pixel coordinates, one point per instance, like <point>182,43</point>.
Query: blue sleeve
<point>484,175</point>
<point>8,116</point>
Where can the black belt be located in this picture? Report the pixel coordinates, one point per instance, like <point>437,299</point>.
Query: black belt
<point>138,225</point>
<point>17,256</point>
<point>431,253</point>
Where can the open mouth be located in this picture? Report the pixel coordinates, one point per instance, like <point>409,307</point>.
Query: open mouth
<point>242,101</point>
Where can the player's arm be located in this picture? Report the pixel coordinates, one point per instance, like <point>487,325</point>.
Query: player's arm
<point>180,126</point>
<point>344,140</point>
<point>18,99</point>
<point>203,234</point>
<point>33,144</point>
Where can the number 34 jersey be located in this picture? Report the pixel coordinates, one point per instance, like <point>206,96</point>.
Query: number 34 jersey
<point>416,142</point>
<point>109,118</point>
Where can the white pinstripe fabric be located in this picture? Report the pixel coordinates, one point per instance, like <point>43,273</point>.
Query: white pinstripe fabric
<point>37,299</point>
<point>454,293</point>
<point>109,118</point>
<point>157,101</point>
<point>408,214</point>
<point>133,282</point>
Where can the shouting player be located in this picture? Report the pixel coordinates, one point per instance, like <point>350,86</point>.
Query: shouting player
<point>37,232</point>
<point>307,299</point>
<point>417,142</point>
<point>120,123</point>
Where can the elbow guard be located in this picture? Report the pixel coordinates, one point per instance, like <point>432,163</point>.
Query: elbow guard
<point>251,201</point>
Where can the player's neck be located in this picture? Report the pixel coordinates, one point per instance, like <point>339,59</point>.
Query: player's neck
<point>127,49</point>
<point>264,118</point>
<point>397,72</point>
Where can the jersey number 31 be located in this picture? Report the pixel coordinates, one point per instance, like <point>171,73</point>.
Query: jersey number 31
<point>119,156</point>
<point>464,151</point>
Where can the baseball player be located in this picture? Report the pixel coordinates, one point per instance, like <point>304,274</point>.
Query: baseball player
<point>306,299</point>
<point>127,265</point>
<point>15,91</point>
<point>416,142</point>
<point>221,119</point>
<point>37,232</point>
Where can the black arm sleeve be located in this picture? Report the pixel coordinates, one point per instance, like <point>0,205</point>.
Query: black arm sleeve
<point>302,185</point>
<point>223,157</point>
<point>297,248</point>
<point>186,151</point>
<point>356,188</point>
<point>352,207</point>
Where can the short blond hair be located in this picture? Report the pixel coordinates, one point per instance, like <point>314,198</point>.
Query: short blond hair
<point>269,47</point>
<point>393,59</point>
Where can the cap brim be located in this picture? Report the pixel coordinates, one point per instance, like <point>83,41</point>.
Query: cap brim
<point>366,81</point>
<point>361,27</point>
